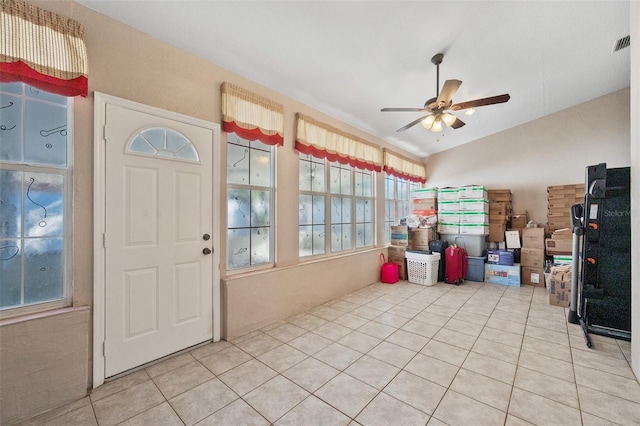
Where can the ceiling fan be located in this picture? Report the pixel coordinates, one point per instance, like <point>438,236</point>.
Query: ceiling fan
<point>439,107</point>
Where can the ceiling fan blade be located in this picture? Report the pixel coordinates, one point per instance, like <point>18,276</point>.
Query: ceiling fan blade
<point>449,88</point>
<point>481,102</point>
<point>457,124</point>
<point>404,110</point>
<point>413,123</point>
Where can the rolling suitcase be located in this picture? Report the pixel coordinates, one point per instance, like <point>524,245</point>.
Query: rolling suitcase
<point>439,246</point>
<point>456,264</point>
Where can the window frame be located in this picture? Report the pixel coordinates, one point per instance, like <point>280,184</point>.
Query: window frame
<point>271,189</point>
<point>67,174</point>
<point>330,195</point>
<point>397,202</point>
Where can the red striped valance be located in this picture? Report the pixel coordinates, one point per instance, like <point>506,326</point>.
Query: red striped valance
<point>42,49</point>
<point>402,167</point>
<point>323,141</point>
<point>251,116</point>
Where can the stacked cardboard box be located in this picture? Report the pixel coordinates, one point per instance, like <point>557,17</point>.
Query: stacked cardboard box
<point>448,211</point>
<point>398,248</point>
<point>532,256</point>
<point>560,285</point>
<point>561,198</point>
<point>425,201</point>
<point>560,243</point>
<point>499,213</point>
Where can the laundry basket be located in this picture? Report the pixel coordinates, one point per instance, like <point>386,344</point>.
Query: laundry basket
<point>422,268</point>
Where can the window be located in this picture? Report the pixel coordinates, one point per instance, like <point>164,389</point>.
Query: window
<point>249,201</point>
<point>344,212</point>
<point>397,203</point>
<point>35,198</point>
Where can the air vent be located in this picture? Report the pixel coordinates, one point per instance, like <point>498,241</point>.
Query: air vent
<point>621,44</point>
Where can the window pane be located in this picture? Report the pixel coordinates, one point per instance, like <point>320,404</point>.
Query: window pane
<point>359,183</point>
<point>260,208</point>
<point>43,205</point>
<point>10,271</point>
<point>318,210</point>
<point>10,204</point>
<point>346,237</point>
<point>238,208</point>
<point>335,178</point>
<point>45,139</point>
<point>43,270</point>
<point>260,168</point>
<point>10,127</point>
<point>305,240</point>
<point>368,234</point>
<point>367,184</point>
<point>345,182</point>
<point>360,206</point>
<point>318,239</point>
<point>238,240</point>
<point>260,252</point>
<point>237,164</point>
<point>388,211</point>
<point>305,210</point>
<point>346,210</point>
<point>360,235</point>
<point>317,177</point>
<point>11,88</point>
<point>43,95</point>
<point>336,238</point>
<point>304,177</point>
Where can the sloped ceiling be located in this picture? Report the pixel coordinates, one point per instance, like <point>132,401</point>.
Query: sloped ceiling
<point>349,59</point>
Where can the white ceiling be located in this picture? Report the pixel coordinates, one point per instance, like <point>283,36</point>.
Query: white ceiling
<point>349,59</point>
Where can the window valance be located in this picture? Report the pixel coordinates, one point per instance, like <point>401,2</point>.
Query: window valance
<point>42,49</point>
<point>323,141</point>
<point>397,165</point>
<point>251,116</point>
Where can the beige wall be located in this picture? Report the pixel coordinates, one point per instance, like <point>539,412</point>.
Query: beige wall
<point>553,150</point>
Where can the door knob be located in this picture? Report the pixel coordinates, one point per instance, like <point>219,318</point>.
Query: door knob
<point>206,250</point>
<point>206,237</point>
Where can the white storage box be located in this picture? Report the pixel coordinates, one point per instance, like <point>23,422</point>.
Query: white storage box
<point>448,228</point>
<point>474,229</point>
<point>473,192</point>
<point>473,217</point>
<point>422,268</point>
<point>449,217</point>
<point>421,193</point>
<point>474,205</point>
<point>475,245</point>
<point>448,206</point>
<point>448,194</point>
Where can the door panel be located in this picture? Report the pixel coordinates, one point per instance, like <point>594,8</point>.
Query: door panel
<point>158,281</point>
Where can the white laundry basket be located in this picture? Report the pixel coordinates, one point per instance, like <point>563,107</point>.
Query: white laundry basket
<point>422,268</point>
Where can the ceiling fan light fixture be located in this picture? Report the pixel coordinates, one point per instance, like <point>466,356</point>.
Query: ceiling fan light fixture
<point>427,122</point>
<point>470,111</point>
<point>448,119</point>
<point>437,125</point>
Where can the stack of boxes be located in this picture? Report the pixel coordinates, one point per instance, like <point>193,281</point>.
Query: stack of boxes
<point>499,213</point>
<point>473,210</point>
<point>560,286</point>
<point>561,198</point>
<point>448,211</point>
<point>425,204</point>
<point>398,248</point>
<point>532,256</point>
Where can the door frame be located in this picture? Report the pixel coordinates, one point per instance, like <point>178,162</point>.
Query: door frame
<point>101,101</point>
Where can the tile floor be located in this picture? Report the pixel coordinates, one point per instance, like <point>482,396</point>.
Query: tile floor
<point>477,354</point>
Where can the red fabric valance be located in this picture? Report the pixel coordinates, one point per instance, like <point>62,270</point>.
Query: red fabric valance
<point>42,49</point>
<point>323,141</point>
<point>251,116</point>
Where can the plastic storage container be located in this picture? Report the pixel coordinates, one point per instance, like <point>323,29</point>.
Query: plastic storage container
<point>475,271</point>
<point>475,245</point>
<point>422,267</point>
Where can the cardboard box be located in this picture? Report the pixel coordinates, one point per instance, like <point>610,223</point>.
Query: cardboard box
<point>501,195</point>
<point>500,257</point>
<point>474,229</point>
<point>402,268</point>
<point>420,193</point>
<point>532,276</point>
<point>399,235</point>
<point>496,232</point>
<point>555,246</point>
<point>448,228</point>
<point>474,217</point>
<point>533,238</point>
<point>448,205</point>
<point>497,208</point>
<point>519,220</point>
<point>425,204</point>
<point>560,286</point>
<point>472,191</point>
<point>532,257</point>
<point>447,194</point>
<point>396,252</point>
<point>562,234</point>
<point>474,205</point>
<point>501,274</point>
<point>421,238</point>
<point>449,217</point>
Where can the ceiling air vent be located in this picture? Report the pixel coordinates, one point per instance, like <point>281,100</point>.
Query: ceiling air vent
<point>621,44</point>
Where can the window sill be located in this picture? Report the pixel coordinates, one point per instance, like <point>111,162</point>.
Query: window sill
<point>42,314</point>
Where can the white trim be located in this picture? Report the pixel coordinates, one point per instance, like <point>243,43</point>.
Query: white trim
<point>101,101</point>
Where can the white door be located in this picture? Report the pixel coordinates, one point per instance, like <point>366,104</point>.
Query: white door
<point>158,242</point>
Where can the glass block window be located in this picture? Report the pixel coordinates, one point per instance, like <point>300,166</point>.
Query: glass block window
<point>249,203</point>
<point>35,198</point>
<point>397,202</point>
<point>336,208</point>
<point>163,142</point>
